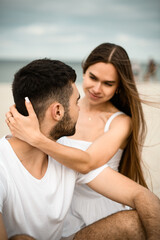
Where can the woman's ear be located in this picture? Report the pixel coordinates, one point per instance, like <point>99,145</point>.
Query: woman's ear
<point>57,111</point>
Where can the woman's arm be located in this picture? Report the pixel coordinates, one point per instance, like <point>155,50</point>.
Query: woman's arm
<point>21,237</point>
<point>100,151</point>
<point>121,189</point>
<point>3,234</point>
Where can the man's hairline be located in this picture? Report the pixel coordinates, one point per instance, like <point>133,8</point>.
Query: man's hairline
<point>71,83</point>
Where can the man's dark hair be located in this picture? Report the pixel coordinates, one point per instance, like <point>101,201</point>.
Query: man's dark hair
<point>43,81</point>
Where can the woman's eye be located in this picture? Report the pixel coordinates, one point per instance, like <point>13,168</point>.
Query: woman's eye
<point>92,77</point>
<point>108,84</point>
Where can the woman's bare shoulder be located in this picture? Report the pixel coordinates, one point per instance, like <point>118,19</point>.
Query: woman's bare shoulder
<point>122,121</point>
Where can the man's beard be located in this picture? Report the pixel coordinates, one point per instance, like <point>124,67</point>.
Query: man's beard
<point>66,127</point>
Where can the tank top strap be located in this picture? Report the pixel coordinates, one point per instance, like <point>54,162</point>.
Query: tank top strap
<point>110,120</point>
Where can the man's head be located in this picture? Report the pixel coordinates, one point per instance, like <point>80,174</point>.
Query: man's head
<point>46,82</point>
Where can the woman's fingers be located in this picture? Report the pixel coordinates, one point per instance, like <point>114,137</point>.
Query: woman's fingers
<point>14,111</point>
<point>15,114</point>
<point>10,122</point>
<point>29,107</point>
<point>23,127</point>
<point>8,115</point>
<point>7,121</point>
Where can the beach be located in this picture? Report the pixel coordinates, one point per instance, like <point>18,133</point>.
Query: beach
<point>151,150</point>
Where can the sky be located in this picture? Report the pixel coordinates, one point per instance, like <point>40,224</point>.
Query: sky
<point>70,29</point>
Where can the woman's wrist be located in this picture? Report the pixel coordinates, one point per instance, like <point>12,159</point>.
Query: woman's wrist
<point>36,139</point>
<point>39,140</point>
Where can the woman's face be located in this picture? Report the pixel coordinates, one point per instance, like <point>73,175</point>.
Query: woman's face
<point>100,82</point>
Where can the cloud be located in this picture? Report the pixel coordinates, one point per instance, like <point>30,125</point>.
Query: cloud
<point>139,41</point>
<point>37,29</point>
<point>128,39</point>
<point>139,47</point>
<point>72,28</point>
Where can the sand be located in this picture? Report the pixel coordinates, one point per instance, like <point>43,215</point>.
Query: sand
<point>151,151</point>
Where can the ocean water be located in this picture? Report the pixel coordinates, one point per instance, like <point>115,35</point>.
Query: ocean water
<point>9,67</point>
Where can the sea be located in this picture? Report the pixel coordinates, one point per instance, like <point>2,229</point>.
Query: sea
<point>9,67</point>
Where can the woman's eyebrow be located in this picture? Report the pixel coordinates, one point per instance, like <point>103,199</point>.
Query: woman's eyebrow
<point>93,75</point>
<point>109,81</point>
<point>105,81</point>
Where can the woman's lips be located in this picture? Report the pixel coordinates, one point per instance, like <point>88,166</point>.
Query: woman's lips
<point>94,96</point>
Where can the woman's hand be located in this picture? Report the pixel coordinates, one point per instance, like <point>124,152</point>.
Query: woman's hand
<point>25,128</point>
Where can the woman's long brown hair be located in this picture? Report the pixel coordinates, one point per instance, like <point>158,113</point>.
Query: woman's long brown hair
<point>127,100</point>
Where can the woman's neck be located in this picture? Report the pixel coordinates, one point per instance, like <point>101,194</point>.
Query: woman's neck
<point>87,106</point>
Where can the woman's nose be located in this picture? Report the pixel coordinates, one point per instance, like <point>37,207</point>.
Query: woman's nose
<point>97,87</point>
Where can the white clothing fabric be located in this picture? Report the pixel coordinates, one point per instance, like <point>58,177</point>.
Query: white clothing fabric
<point>87,205</point>
<point>32,206</point>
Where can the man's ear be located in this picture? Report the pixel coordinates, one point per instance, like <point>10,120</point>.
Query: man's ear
<point>57,111</point>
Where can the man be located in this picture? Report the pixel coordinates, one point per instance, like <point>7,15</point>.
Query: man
<point>36,191</point>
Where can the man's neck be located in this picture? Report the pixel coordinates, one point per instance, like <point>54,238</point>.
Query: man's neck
<point>33,159</point>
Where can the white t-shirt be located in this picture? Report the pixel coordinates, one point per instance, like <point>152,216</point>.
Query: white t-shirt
<point>36,207</point>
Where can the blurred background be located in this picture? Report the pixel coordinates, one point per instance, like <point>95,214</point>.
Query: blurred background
<point>68,31</point>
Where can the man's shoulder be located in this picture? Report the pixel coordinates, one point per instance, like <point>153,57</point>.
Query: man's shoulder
<point>3,143</point>
<point>61,169</point>
<point>3,156</point>
<point>4,149</point>
<point>2,139</point>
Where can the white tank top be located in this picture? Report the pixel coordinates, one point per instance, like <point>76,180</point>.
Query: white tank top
<point>83,145</point>
<point>87,205</point>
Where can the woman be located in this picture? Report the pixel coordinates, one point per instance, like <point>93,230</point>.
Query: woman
<point>111,128</point>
